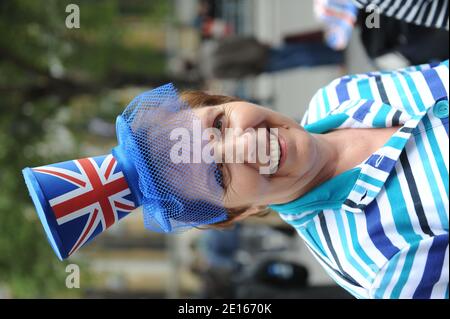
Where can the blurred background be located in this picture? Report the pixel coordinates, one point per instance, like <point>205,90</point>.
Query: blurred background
<point>61,90</point>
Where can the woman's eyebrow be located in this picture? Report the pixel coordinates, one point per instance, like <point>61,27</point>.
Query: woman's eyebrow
<point>209,118</point>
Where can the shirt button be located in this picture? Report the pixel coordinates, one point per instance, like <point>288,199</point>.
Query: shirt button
<point>440,110</point>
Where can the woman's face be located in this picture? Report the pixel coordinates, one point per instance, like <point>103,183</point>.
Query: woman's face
<point>245,185</point>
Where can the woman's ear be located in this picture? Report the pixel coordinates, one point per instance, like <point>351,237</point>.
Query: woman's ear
<point>254,210</point>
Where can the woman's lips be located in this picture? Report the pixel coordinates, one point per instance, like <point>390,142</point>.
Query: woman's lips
<point>283,149</point>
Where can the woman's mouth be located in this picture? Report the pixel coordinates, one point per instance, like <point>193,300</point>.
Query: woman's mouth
<point>283,151</point>
<point>277,152</point>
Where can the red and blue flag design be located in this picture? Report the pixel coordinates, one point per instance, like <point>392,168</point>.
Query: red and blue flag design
<point>79,199</point>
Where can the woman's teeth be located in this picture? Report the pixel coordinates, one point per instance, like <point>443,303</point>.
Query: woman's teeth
<point>274,154</point>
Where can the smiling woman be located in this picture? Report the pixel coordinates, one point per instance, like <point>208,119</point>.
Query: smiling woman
<point>363,160</point>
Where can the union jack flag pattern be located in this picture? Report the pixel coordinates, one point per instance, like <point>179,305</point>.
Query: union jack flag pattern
<point>79,199</point>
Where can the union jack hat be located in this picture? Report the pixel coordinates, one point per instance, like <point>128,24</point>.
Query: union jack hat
<point>79,199</point>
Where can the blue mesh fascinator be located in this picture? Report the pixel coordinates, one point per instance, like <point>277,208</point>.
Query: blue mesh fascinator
<point>175,195</point>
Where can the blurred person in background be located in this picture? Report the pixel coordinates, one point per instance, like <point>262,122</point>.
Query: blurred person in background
<point>394,33</point>
<point>393,37</point>
<point>209,24</point>
<point>428,13</point>
<point>251,261</point>
<point>238,57</point>
<point>401,43</point>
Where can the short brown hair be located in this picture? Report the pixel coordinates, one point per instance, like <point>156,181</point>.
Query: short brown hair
<point>198,99</point>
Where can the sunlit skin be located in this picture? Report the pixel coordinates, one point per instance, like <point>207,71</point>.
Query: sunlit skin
<point>310,159</point>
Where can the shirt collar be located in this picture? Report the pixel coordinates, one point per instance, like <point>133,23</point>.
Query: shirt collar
<point>329,195</point>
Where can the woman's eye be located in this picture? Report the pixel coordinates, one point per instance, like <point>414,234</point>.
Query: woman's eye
<point>219,175</point>
<point>218,123</point>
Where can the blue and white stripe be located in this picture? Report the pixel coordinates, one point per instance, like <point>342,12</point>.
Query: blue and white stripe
<point>389,237</point>
<point>429,13</point>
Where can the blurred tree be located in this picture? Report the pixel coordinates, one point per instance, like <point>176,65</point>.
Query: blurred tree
<point>45,68</point>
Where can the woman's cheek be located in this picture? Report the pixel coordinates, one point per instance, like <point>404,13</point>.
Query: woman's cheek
<point>246,184</point>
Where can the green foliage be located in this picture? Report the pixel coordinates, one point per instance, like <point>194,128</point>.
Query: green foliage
<point>46,68</point>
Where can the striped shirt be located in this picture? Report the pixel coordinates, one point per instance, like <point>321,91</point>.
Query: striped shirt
<point>429,13</point>
<point>380,230</point>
